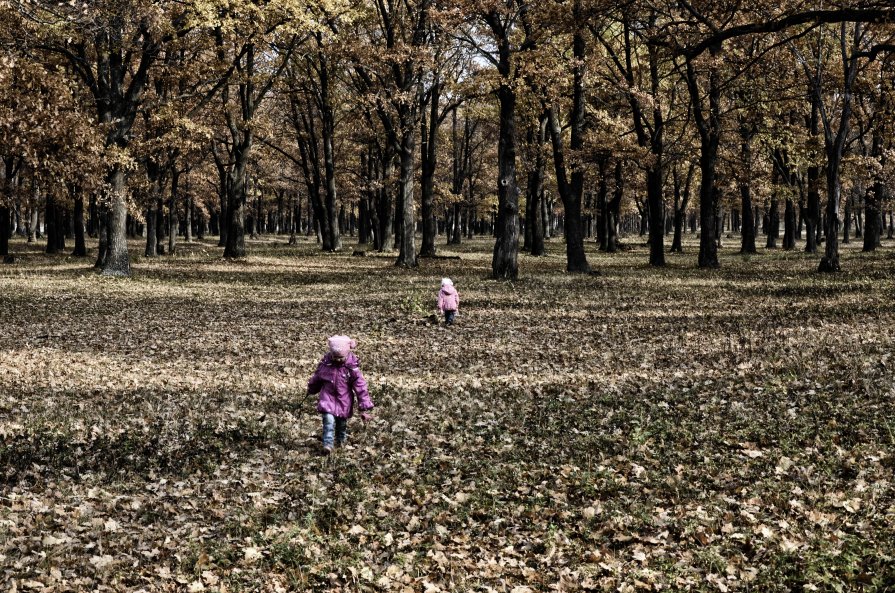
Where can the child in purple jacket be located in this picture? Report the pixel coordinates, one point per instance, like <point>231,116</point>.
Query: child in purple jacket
<point>448,300</point>
<point>338,380</point>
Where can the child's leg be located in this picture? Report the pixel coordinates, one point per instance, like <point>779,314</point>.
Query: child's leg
<point>341,431</point>
<point>329,422</point>
<point>449,317</point>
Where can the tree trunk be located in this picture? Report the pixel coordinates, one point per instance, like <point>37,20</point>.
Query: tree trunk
<point>429,156</point>
<point>117,261</point>
<point>747,243</point>
<point>789,225</point>
<point>534,216</point>
<point>812,210</point>
<point>51,226</point>
<point>80,243</point>
<point>172,211</point>
<point>4,230</point>
<point>846,218</point>
<point>385,206</point>
<point>34,219</point>
<point>407,253</point>
<point>830,261</point>
<point>151,222</point>
<point>576,260</point>
<point>874,200</point>
<point>773,223</point>
<point>504,261</point>
<point>747,228</point>
<point>603,206</point>
<point>102,231</point>
<point>333,240</point>
<point>681,198</point>
<point>709,135</point>
<point>872,203</point>
<point>236,201</point>
<point>159,224</point>
<point>188,210</point>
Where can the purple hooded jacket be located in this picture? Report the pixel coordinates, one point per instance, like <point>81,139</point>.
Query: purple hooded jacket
<point>337,385</point>
<point>448,299</point>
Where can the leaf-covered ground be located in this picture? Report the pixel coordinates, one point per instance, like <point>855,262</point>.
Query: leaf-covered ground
<point>643,429</point>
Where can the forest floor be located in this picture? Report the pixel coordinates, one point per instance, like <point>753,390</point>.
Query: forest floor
<point>637,430</point>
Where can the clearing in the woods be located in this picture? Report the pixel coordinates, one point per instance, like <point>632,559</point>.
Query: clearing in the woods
<point>640,429</point>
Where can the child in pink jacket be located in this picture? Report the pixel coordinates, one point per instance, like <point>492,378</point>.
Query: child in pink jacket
<point>448,300</point>
<point>338,380</point>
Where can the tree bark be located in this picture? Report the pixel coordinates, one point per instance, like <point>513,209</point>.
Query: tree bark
<point>236,203</point>
<point>747,228</point>
<point>504,261</point>
<point>872,204</point>
<point>333,240</point>
<point>117,261</point>
<point>80,243</point>
<point>603,205</point>
<point>874,199</point>
<point>385,202</point>
<point>681,198</point>
<point>51,227</point>
<point>710,135</point>
<point>614,210</point>
<point>172,211</point>
<point>773,223</point>
<point>429,157</point>
<point>4,230</point>
<point>152,220</point>
<point>570,193</point>
<point>188,210</point>
<point>789,225</point>
<point>407,253</point>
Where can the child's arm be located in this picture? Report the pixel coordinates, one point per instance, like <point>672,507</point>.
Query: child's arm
<point>364,402</point>
<point>315,383</point>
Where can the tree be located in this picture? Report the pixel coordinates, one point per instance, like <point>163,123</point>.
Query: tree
<point>395,79</point>
<point>570,183</point>
<point>256,44</point>
<point>111,48</point>
<point>501,34</point>
<point>640,70</point>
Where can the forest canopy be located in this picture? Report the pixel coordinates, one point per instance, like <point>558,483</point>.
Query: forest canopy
<point>396,122</point>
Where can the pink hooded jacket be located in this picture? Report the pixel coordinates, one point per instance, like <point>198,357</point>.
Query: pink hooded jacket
<point>448,297</point>
<point>338,384</point>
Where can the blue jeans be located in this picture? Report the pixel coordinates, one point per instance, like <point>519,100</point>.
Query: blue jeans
<point>449,317</point>
<point>334,425</point>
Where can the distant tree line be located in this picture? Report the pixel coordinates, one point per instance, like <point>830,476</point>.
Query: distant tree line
<point>392,121</point>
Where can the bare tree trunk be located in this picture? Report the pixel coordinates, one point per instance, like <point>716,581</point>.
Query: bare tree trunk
<point>4,230</point>
<point>773,223</point>
<point>152,221</point>
<point>172,211</point>
<point>188,210</point>
<point>117,261</point>
<point>80,243</point>
<point>576,260</point>
<point>504,261</point>
<point>429,157</point>
<point>51,230</point>
<point>407,253</point>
